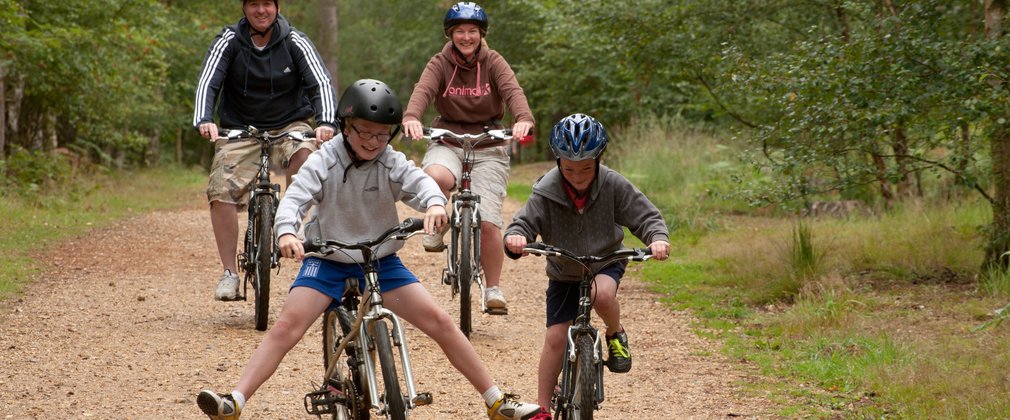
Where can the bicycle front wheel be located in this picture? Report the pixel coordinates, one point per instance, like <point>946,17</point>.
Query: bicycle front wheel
<point>395,407</point>
<point>264,236</point>
<point>584,399</point>
<point>465,272</point>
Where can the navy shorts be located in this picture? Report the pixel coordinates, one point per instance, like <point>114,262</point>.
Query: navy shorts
<point>328,277</point>
<point>563,296</point>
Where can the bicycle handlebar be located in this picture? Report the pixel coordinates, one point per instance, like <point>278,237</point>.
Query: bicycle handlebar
<point>409,227</point>
<point>440,134</point>
<point>255,133</point>
<point>633,254</point>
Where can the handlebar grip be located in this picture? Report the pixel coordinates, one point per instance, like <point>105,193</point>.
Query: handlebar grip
<point>426,131</point>
<point>537,245</point>
<point>412,224</point>
<point>311,246</point>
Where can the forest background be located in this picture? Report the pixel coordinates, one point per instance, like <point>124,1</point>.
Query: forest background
<point>740,119</point>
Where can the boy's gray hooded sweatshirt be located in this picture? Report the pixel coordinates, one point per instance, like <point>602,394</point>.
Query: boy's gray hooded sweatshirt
<point>614,203</point>
<point>354,201</point>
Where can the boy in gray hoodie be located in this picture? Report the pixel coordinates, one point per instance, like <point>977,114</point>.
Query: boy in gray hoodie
<point>583,206</point>
<point>354,182</point>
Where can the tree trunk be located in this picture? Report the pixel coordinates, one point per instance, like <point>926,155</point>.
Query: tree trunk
<point>153,152</point>
<point>885,185</point>
<point>3,113</point>
<point>14,112</point>
<point>906,183</point>
<point>327,41</point>
<point>178,146</point>
<point>999,240</point>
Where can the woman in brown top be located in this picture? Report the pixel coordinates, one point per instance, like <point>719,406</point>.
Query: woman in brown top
<point>470,85</point>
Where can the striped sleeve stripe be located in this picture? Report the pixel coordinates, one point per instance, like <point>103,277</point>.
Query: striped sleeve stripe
<point>319,71</point>
<point>216,51</point>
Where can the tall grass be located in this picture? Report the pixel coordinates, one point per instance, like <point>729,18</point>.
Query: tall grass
<point>683,169</point>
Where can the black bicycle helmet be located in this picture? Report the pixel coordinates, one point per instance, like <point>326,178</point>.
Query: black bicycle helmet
<point>578,137</point>
<point>370,100</point>
<point>465,12</point>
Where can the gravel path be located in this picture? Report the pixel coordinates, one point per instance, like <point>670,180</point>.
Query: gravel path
<point>121,324</point>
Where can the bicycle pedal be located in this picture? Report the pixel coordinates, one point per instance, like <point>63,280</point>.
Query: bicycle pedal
<point>497,311</point>
<point>323,401</point>
<point>422,398</point>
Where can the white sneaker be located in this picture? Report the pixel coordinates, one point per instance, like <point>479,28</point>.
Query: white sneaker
<point>434,243</point>
<point>227,286</point>
<point>494,298</point>
<point>510,408</point>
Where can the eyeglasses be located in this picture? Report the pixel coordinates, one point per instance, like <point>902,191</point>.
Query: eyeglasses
<point>371,136</point>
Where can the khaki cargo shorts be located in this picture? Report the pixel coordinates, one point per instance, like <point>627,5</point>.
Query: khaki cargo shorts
<point>236,164</point>
<point>489,177</point>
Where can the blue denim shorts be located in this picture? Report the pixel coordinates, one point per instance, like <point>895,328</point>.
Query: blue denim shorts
<point>563,296</point>
<point>328,277</point>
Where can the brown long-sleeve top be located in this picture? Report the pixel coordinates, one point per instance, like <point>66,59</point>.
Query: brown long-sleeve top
<point>468,96</point>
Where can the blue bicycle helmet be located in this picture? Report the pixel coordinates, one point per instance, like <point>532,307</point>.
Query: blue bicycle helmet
<point>578,137</point>
<point>465,12</point>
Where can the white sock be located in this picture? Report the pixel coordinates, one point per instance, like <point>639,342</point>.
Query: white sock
<point>239,399</point>
<point>492,395</point>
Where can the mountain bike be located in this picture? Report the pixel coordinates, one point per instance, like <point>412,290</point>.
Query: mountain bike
<point>354,332</point>
<point>581,387</point>
<point>463,268</point>
<point>259,250</point>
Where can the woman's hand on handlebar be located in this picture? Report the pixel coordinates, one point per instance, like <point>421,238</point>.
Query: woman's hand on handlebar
<point>434,219</point>
<point>515,244</point>
<point>660,250</point>
<point>291,247</point>
<point>208,131</point>
<point>415,130</point>
<point>324,133</point>
<point>521,129</point>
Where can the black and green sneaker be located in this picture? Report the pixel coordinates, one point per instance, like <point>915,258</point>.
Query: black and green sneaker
<point>620,354</point>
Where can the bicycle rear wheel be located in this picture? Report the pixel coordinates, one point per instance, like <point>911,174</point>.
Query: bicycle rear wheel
<point>335,327</point>
<point>465,272</point>
<point>395,407</point>
<point>584,399</point>
<point>264,236</point>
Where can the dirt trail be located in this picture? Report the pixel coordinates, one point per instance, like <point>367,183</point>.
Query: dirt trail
<point>122,324</point>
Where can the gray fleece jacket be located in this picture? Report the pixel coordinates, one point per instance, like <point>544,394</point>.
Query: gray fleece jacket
<point>614,203</point>
<point>354,202</point>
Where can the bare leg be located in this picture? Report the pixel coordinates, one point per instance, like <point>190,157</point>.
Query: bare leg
<point>300,310</point>
<point>295,163</point>
<point>224,221</point>
<point>492,254</point>
<point>550,362</point>
<point>605,303</point>
<point>446,181</point>
<point>415,305</point>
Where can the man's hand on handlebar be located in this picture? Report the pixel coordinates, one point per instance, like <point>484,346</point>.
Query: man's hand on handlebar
<point>208,131</point>
<point>291,247</point>
<point>324,133</point>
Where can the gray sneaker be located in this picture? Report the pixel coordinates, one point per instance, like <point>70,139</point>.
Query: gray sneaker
<point>227,286</point>
<point>494,298</point>
<point>435,243</point>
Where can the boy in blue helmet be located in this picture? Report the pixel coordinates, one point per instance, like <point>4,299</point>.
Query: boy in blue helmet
<point>583,206</point>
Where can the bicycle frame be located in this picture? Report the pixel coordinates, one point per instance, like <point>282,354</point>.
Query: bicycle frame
<point>263,202</point>
<point>365,337</point>
<point>466,205</point>
<point>564,400</point>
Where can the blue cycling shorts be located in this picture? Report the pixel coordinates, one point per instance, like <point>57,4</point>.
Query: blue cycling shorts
<point>328,277</point>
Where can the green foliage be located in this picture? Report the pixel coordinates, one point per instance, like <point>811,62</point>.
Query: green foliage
<point>50,215</point>
<point>30,173</point>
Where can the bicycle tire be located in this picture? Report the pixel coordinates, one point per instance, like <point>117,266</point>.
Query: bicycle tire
<point>332,327</point>
<point>264,256</point>
<point>465,272</point>
<point>395,407</point>
<point>584,398</point>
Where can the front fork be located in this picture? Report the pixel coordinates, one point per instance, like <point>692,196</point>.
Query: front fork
<point>449,274</point>
<point>377,313</point>
<point>569,363</point>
